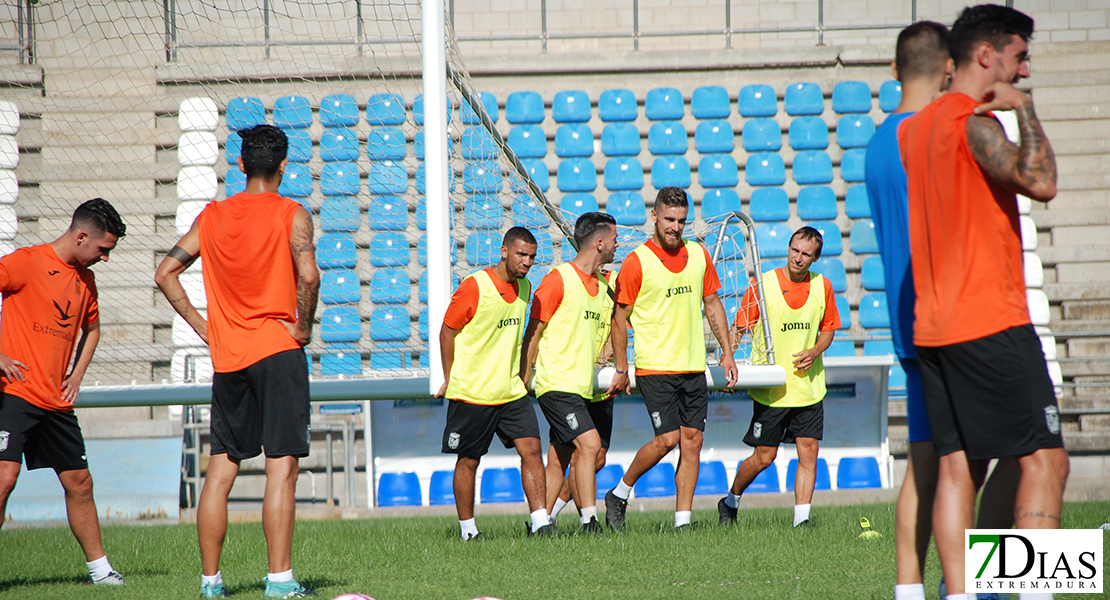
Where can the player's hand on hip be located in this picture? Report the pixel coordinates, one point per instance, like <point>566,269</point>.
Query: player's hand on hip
<point>442,391</point>
<point>70,387</point>
<point>618,384</point>
<point>300,336</point>
<point>12,368</point>
<point>731,374</point>
<point>1001,96</point>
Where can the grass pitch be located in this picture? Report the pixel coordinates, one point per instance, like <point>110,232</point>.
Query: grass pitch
<point>762,557</point>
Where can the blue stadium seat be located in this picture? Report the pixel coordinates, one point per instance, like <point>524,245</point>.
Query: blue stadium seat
<point>527,213</point>
<point>624,173</point>
<point>501,485</point>
<point>767,482</point>
<point>769,204</point>
<point>670,170</point>
<point>422,251</point>
<point>803,99</point>
<point>339,144</point>
<point>387,213</point>
<point>386,177</point>
<point>809,133</point>
<point>537,273</point>
<point>483,211</point>
<point>833,270</point>
<point>441,490</point>
<point>607,479</point>
<point>714,136</point>
<point>718,202</point>
<point>761,135</point>
<point>712,479</point>
<point>477,143</point>
<point>733,276</point>
<point>545,247</point>
<point>771,265</point>
<point>390,286</point>
<point>390,324</point>
<point>340,324</point>
<point>862,238</point>
<point>574,140</point>
<point>576,204</point>
<point>300,145</point>
<point>422,324</point>
<point>732,247</point>
<point>528,141</point>
<point>387,109</point>
<point>489,105</point>
<point>710,102</point>
<point>667,137</point>
<point>386,143</point>
<point>627,208</point>
<point>418,111</point>
<point>422,286</point>
<point>871,275</point>
<point>570,106</point>
<point>627,242</point>
<point>339,110</point>
<point>812,166</point>
<point>233,148</point>
<point>854,131</point>
<point>851,165</point>
<point>389,250</point>
<point>765,168</point>
<point>845,312</point>
<point>537,172</point>
<point>576,175</point>
<point>757,101</point>
<point>856,203</point>
<point>292,112</point>
<point>851,97</point>
<point>340,359</point>
<point>336,250</point>
<point>878,347</point>
<point>664,104</point>
<point>658,482</point>
<point>841,347</point>
<point>244,113</point>
<point>483,249</point>
<point>297,181</point>
<point>890,95</point>
<point>482,177</point>
<point>823,481</point>
<point>617,105</point>
<point>620,139</point>
<point>390,355</point>
<point>718,170</point>
<point>524,107</point>
<point>873,312</point>
<point>418,145</point>
<point>896,381</point>
<point>858,472</point>
<point>830,234</point>
<point>419,183</point>
<point>340,179</point>
<point>816,203</point>
<point>773,239</point>
<point>340,213</point>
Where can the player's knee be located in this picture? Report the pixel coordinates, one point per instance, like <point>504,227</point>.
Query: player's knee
<point>764,456</point>
<point>7,482</point>
<point>77,483</point>
<point>667,440</point>
<point>1049,464</point>
<point>600,463</point>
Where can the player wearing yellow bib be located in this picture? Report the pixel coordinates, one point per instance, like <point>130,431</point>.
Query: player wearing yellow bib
<point>661,289</point>
<point>801,311</point>
<point>569,324</point>
<point>480,348</point>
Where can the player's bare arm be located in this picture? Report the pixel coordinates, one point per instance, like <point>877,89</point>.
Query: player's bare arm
<point>308,277</point>
<point>619,337</point>
<point>532,336</point>
<point>718,324</point>
<point>1028,169</point>
<point>446,355</point>
<point>804,359</point>
<point>167,276</point>
<point>90,337</point>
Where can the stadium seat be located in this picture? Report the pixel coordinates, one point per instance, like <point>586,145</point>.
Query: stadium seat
<point>733,276</point>
<point>388,143</point>
<point>537,172</point>
<point>340,324</point>
<point>878,348</point>
<point>773,239</point>
<point>422,250</point>
<point>501,485</point>
<point>339,144</point>
<point>851,97</point>
<point>418,145</point>
<point>627,208</point>
<point>628,240</point>
<point>1038,307</point>
<point>524,107</point>
<point>576,175</point>
<point>528,141</point>
<point>340,213</point>
<point>670,170</point>
<point>862,238</point>
<point>390,355</point>
<point>854,131</point>
<point>768,204</point>
<point>483,211</point>
<point>339,110</point>
<point>570,106</point>
<point>667,137</point>
<point>545,248</point>
<point>761,135</point>
<point>858,472</point>
<point>620,139</point>
<point>574,140</point>
<point>1028,233</point>
<point>422,286</point>
<point>483,249</point>
<point>340,179</point>
<point>658,482</point>
<point>526,212</point>
<point>856,203</point>
<point>336,250</point>
<point>718,202</point>
<point>387,213</point>
<point>617,105</point>
<point>873,312</point>
<point>339,286</point>
<point>803,99</point>
<point>489,105</point>
<point>767,482</point>
<point>664,104</point>
<point>194,148</point>
<point>710,102</point>
<point>234,182</point>
<point>845,312</point>
<point>712,479</point>
<point>385,177</point>
<point>624,173</point>
<point>816,203</point>
<point>441,490</point>
<point>607,479</point>
<point>300,145</point>
<point>233,149</point>
<point>851,165</point>
<point>732,245</point>
<point>713,137</point>
<point>872,276</point>
<point>390,324</point>
<point>757,101</point>
<point>340,359</point>
<point>244,113</point>
<point>388,109</point>
<point>292,112</point>
<point>890,95</point>
<point>482,177</point>
<point>833,270</point>
<point>1034,270</point>
<point>812,166</point>
<point>574,205</point>
<point>193,114</point>
<point>297,181</point>
<point>718,170</point>
<point>389,250</point>
<point>418,111</point>
<point>841,347</point>
<point>809,133</point>
<point>765,168</point>
<point>830,233</point>
<point>823,481</point>
<point>390,286</point>
<point>477,143</point>
<point>896,381</point>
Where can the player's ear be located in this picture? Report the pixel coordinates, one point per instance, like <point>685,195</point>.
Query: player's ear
<point>894,70</point>
<point>984,54</point>
<point>239,161</point>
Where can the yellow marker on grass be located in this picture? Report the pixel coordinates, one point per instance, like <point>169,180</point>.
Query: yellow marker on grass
<point>868,533</point>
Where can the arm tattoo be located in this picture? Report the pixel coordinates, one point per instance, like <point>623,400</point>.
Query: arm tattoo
<point>182,255</point>
<point>1018,168</point>
<point>304,253</point>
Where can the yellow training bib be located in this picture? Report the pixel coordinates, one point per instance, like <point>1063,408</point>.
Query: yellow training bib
<point>792,331</point>
<point>573,337</point>
<point>667,315</point>
<point>487,351</point>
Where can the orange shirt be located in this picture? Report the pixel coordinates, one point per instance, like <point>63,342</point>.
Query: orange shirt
<point>795,295</point>
<point>549,293</point>
<point>965,240</point>
<point>249,278</point>
<point>464,302</point>
<point>632,274</point>
<point>46,303</point>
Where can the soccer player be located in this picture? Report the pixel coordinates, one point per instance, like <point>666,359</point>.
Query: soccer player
<point>480,346</point>
<point>261,281</point>
<point>569,322</point>
<point>923,67</point>
<point>50,293</point>
<point>661,289</point>
<point>802,315</point>
<point>987,389</point>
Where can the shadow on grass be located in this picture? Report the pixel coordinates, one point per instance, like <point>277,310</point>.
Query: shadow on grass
<point>312,583</point>
<point>19,582</point>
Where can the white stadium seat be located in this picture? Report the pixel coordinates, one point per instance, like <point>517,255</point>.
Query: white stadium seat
<point>1057,377</point>
<point>9,187</point>
<point>182,333</point>
<point>1048,344</point>
<point>191,366</point>
<point>1025,205</point>
<point>9,152</point>
<point>193,282</point>
<point>1034,270</point>
<point>1038,307</point>
<point>197,183</point>
<point>198,114</point>
<point>9,222</point>
<point>187,212</point>
<point>9,118</point>
<point>197,148</point>
<point>1028,233</point>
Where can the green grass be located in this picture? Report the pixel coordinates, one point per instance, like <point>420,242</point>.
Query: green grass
<point>422,558</point>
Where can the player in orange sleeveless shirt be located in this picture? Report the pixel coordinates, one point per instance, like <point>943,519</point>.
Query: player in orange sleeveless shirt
<point>261,282</point>
<point>50,294</point>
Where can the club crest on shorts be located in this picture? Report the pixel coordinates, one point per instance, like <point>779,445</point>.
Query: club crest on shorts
<point>453,440</point>
<point>572,421</point>
<point>656,419</point>
<point>4,435</point>
<point>1052,419</point>
<point>757,430</point>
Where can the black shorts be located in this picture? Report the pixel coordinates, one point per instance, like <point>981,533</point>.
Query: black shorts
<point>571,415</point>
<point>674,400</point>
<point>470,427</point>
<point>265,405</point>
<point>990,397</point>
<point>46,438</point>
<point>772,426</point>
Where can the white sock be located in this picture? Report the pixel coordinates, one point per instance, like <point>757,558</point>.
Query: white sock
<point>732,500</point>
<point>622,490</point>
<point>559,505</point>
<point>960,597</point>
<point>539,519</point>
<point>681,517</point>
<point>909,591</point>
<point>99,568</point>
<point>217,579</point>
<point>1036,596</point>
<point>588,513</point>
<point>468,528</point>
<point>282,577</point>
<point>801,513</point>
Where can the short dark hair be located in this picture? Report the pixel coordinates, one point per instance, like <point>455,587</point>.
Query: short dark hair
<point>100,215</point>
<point>589,225</point>
<point>264,147</point>
<point>809,233</point>
<point>989,23</point>
<point>517,233</point>
<point>921,51</point>
<point>671,196</point>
